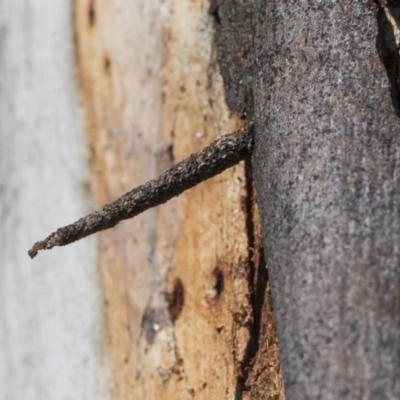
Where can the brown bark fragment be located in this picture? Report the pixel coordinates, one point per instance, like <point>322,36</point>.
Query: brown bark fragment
<point>264,380</point>
<point>221,154</point>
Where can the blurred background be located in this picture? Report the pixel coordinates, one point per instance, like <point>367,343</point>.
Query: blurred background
<point>50,308</point>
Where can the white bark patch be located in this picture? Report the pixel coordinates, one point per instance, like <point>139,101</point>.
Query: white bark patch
<point>50,309</point>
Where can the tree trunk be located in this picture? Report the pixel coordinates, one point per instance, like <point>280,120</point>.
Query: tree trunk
<point>181,307</point>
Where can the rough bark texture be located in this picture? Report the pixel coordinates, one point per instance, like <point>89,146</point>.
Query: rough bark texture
<point>326,163</point>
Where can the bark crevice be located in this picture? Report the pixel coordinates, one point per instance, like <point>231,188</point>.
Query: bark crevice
<point>388,45</point>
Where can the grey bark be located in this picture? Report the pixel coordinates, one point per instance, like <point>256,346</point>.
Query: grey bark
<point>324,77</point>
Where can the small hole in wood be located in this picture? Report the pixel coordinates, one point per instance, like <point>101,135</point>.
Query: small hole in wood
<point>176,300</point>
<point>92,13</point>
<point>107,64</point>
<point>219,281</point>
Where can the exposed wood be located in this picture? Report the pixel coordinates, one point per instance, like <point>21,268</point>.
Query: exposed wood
<point>180,281</point>
<point>118,56</point>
